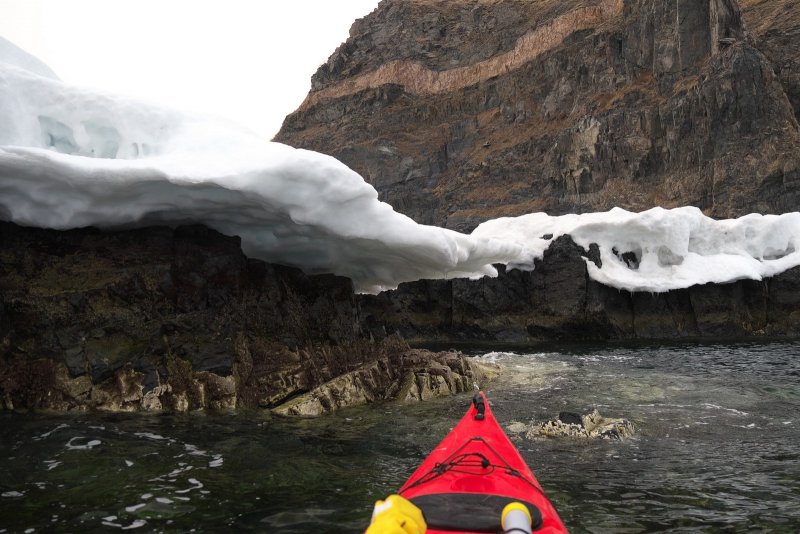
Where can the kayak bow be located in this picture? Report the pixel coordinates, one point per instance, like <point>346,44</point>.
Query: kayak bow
<point>464,484</point>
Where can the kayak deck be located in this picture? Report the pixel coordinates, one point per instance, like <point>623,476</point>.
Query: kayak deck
<point>467,480</point>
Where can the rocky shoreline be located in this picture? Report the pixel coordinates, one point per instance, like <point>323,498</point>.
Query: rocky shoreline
<point>161,319</point>
<point>406,375</point>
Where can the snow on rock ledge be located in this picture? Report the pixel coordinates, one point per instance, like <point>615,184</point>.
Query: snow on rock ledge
<point>659,250</point>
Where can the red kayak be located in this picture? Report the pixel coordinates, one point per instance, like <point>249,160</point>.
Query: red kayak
<point>464,484</point>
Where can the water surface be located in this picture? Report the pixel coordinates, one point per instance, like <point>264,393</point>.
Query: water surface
<point>717,449</point>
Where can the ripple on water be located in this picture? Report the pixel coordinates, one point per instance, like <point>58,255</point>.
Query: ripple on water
<point>73,446</point>
<point>110,522</point>
<point>163,464</point>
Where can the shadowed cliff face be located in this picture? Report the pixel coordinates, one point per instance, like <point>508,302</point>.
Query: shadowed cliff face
<point>163,319</point>
<point>558,301</point>
<point>458,112</point>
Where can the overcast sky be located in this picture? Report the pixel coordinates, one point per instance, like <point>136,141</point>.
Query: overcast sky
<point>250,60</point>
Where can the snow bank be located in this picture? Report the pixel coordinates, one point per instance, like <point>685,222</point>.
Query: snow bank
<point>70,158</point>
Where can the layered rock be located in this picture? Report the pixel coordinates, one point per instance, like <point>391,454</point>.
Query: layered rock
<point>415,375</point>
<point>176,319</point>
<point>458,112</point>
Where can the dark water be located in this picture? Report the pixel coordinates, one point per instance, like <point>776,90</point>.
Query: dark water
<point>718,450</point>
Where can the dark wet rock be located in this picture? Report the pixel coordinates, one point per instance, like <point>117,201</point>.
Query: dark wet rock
<point>570,418</point>
<point>550,302</point>
<point>176,320</point>
<point>265,335</point>
<point>558,301</point>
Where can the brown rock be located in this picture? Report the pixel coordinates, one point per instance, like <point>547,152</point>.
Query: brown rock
<point>774,26</point>
<point>591,425</point>
<point>461,112</point>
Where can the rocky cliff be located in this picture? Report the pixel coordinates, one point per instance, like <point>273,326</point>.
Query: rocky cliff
<point>179,319</point>
<point>559,301</point>
<point>458,112</point>
<point>774,26</point>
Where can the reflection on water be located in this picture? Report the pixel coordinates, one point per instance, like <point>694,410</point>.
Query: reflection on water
<point>717,449</point>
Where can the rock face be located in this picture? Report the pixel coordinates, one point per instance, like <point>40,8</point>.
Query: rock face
<point>774,26</point>
<point>558,301</point>
<point>458,112</point>
<point>177,320</point>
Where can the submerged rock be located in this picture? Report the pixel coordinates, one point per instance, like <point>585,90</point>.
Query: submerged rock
<point>591,425</point>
